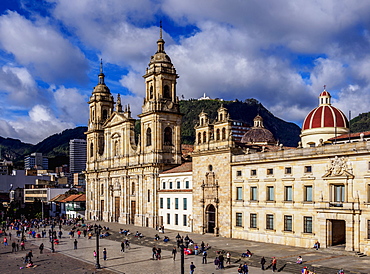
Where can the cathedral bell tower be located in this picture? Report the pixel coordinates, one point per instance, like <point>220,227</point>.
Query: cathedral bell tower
<point>101,107</point>
<point>161,117</point>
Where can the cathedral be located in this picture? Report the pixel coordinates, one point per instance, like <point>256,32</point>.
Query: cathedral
<point>243,185</point>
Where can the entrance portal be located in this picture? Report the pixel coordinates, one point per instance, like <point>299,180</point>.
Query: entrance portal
<point>133,212</point>
<point>210,218</point>
<point>338,232</point>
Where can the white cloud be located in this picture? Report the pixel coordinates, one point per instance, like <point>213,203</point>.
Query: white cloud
<point>38,46</point>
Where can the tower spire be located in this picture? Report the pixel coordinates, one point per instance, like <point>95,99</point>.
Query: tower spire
<point>160,41</point>
<point>101,74</point>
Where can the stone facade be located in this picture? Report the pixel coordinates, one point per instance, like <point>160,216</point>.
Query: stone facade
<point>122,169</point>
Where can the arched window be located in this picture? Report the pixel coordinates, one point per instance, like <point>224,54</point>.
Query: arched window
<point>201,122</point>
<point>148,137</point>
<point>151,95</point>
<point>223,133</point>
<point>166,92</point>
<point>91,150</point>
<point>102,189</point>
<point>204,137</point>
<point>199,138</point>
<point>221,117</point>
<point>218,134</point>
<point>167,136</point>
<point>105,114</point>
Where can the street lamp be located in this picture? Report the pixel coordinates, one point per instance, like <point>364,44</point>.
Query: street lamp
<point>182,258</point>
<point>97,235</point>
<point>52,236</point>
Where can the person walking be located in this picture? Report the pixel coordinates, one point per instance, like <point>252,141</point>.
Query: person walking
<point>75,244</point>
<point>273,264</point>
<point>154,252</point>
<point>14,246</point>
<point>41,247</point>
<point>204,260</point>
<point>174,252</point>
<point>122,246</point>
<point>104,254</point>
<point>263,261</point>
<point>245,268</point>
<point>5,241</point>
<point>28,257</point>
<point>228,258</point>
<point>192,268</point>
<point>94,255</point>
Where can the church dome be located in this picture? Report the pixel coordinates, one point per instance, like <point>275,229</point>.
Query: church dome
<point>258,134</point>
<point>325,115</point>
<point>323,122</point>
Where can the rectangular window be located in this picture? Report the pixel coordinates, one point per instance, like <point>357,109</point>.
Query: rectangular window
<point>148,195</point>
<point>270,193</point>
<point>307,224</point>
<point>308,194</point>
<point>270,171</point>
<point>178,185</point>
<point>253,220</point>
<point>238,173</point>
<point>254,193</point>
<point>308,169</point>
<point>168,203</point>
<point>185,220</point>
<point>170,185</point>
<point>339,193</point>
<point>239,219</point>
<point>368,229</point>
<point>186,184</point>
<point>164,185</point>
<point>368,166</point>
<point>176,203</point>
<point>288,193</point>
<point>269,221</point>
<point>185,202</point>
<point>288,170</point>
<point>176,219</point>
<point>288,223</point>
<point>254,172</point>
<point>161,203</point>
<point>239,193</point>
<point>168,218</point>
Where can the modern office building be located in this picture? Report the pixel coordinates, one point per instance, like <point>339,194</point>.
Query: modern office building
<point>77,155</point>
<point>36,161</point>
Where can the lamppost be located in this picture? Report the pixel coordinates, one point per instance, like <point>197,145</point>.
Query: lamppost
<point>182,258</point>
<point>52,236</point>
<point>97,235</point>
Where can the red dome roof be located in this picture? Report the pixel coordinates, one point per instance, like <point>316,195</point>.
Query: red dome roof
<point>325,93</point>
<point>325,116</point>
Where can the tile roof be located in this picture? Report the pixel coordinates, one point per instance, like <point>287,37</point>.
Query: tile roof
<point>59,197</point>
<point>185,167</point>
<point>75,198</point>
<point>351,135</point>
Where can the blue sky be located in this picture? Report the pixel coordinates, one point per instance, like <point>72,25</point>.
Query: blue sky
<point>279,52</point>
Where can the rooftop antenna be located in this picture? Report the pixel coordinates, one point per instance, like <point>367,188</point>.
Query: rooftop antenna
<point>349,127</point>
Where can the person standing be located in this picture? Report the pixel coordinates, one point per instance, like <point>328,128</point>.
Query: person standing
<point>204,261</point>
<point>154,252</point>
<point>228,258</point>
<point>13,246</point>
<point>41,247</point>
<point>104,254</point>
<point>122,246</point>
<point>192,268</point>
<point>5,241</point>
<point>273,264</point>
<point>245,268</point>
<point>263,261</point>
<point>95,255</point>
<point>75,244</point>
<point>174,252</point>
<point>221,258</point>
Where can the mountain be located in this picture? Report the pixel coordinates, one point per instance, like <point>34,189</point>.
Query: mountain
<point>56,146</point>
<point>285,132</point>
<point>360,123</point>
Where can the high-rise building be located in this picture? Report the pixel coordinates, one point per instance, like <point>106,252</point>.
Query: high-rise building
<point>77,155</point>
<point>36,161</point>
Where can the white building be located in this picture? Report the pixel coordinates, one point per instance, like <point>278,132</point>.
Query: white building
<point>175,198</point>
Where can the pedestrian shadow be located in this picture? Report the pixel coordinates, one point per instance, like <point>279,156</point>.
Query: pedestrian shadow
<point>281,268</point>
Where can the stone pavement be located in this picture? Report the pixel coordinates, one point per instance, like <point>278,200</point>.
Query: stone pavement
<point>138,258</point>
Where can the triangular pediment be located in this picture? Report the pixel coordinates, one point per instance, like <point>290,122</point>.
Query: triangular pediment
<point>344,175</point>
<point>115,119</point>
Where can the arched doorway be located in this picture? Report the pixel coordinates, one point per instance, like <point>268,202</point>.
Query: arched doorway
<point>210,218</point>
